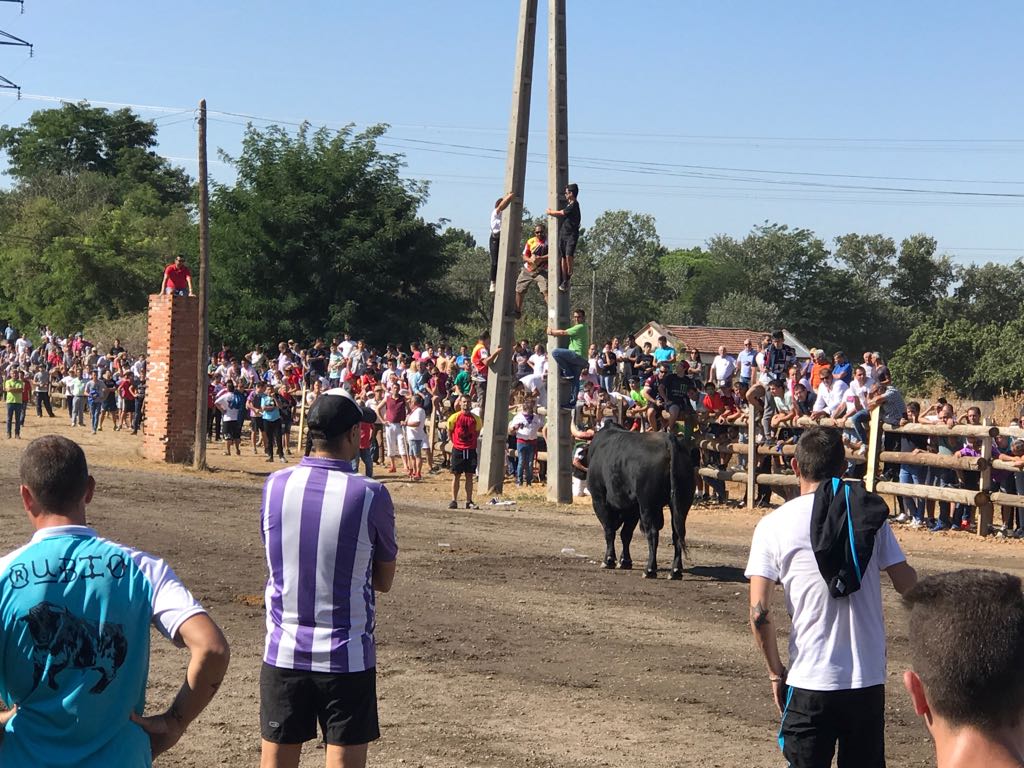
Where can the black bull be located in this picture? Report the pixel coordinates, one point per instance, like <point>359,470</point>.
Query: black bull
<point>632,476</point>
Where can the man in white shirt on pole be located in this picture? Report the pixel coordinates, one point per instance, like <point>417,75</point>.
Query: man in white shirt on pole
<point>834,689</point>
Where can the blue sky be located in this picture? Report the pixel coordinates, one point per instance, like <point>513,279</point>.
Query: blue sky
<point>706,115</point>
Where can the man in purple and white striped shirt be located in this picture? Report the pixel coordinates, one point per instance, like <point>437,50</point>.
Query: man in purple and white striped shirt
<point>329,535</point>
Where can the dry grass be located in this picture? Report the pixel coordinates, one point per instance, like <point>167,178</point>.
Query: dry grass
<point>132,330</point>
<point>1001,409</point>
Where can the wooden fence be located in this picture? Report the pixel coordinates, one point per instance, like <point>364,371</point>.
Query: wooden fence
<point>875,457</point>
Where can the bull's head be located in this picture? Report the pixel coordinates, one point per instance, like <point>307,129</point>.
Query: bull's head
<point>44,622</point>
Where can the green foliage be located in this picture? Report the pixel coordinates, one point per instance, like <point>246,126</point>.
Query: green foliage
<point>76,138</point>
<point>320,233</point>
<point>618,268</point>
<point>741,310</point>
<point>92,219</point>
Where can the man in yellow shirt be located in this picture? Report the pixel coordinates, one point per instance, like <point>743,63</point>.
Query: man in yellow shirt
<point>14,389</point>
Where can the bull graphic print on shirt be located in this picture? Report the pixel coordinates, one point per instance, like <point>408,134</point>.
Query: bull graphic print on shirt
<point>63,640</point>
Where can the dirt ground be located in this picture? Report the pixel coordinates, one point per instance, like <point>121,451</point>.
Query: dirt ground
<point>495,649</point>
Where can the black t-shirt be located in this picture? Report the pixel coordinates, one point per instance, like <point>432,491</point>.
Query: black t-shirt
<point>569,229</point>
<point>676,387</point>
<point>909,442</point>
<point>644,363</point>
<point>523,364</point>
<point>580,454</point>
<point>317,361</point>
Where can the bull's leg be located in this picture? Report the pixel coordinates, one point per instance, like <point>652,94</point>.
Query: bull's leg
<point>677,559</point>
<point>103,682</point>
<point>609,546</point>
<point>651,531</point>
<point>51,677</point>
<point>628,526</point>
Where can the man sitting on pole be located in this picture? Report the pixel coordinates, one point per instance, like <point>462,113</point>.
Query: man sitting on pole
<point>535,268</point>
<point>571,362</point>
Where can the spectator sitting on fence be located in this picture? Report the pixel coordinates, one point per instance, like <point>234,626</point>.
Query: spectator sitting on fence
<point>831,395</point>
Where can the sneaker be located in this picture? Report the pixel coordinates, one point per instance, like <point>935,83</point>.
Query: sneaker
<point>283,459</point>
<point>453,504</point>
<point>270,459</point>
<point>563,286</point>
<point>568,407</point>
<point>916,523</point>
<point>491,290</point>
<point>471,505</point>
<point>939,526</point>
<point>902,517</point>
<point>965,525</point>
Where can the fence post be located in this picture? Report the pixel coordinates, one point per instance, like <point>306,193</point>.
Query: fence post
<point>751,455</point>
<point>873,449</point>
<point>985,510</point>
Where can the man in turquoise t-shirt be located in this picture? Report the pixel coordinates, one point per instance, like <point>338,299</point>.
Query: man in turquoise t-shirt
<point>571,362</point>
<point>664,353</point>
<point>75,613</point>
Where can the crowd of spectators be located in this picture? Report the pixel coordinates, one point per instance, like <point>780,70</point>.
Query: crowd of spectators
<point>254,398</point>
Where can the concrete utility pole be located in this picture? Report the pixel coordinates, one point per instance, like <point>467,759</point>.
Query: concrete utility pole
<point>202,383</point>
<point>558,421</point>
<point>499,380</point>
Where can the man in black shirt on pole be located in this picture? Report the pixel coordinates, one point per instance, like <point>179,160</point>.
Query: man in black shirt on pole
<point>568,234</point>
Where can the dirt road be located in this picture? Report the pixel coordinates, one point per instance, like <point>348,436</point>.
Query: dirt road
<point>495,648</point>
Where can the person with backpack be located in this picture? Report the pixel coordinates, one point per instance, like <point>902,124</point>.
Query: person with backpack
<point>827,548</point>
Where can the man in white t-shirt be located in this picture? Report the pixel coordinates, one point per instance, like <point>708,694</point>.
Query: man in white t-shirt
<point>495,240</point>
<point>722,368</point>
<point>834,690</point>
<point>539,360</point>
<point>536,385</point>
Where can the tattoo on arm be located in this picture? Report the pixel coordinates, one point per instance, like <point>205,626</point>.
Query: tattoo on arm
<point>758,615</point>
<point>176,714</point>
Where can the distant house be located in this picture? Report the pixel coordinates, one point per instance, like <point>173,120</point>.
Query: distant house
<point>707,339</point>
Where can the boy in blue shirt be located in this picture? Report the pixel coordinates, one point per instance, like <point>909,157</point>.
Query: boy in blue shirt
<point>75,612</point>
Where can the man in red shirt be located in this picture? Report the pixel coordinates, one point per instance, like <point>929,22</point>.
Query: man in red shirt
<point>177,278</point>
<point>464,428</point>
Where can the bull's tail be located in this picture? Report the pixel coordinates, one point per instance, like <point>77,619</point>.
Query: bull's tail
<point>673,497</point>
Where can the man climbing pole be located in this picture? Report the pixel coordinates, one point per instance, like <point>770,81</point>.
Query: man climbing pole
<point>568,234</point>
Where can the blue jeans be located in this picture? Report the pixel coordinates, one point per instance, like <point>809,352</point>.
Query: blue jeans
<point>95,410</point>
<point>943,478</point>
<point>915,475</point>
<point>608,382</point>
<point>860,420</point>
<point>365,456</point>
<point>14,417</point>
<point>526,452</point>
<point>570,365</point>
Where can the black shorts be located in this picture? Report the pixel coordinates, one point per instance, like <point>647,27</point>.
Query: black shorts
<point>233,430</point>
<point>814,721</point>
<point>292,702</point>
<point>463,461</point>
<point>567,246</point>
<point>257,423</point>
<point>128,406</point>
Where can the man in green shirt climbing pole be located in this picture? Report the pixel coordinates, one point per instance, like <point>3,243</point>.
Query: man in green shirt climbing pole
<point>571,362</point>
<point>14,389</point>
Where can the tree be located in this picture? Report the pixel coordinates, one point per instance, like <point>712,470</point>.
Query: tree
<point>621,255</point>
<point>321,233</point>
<point>77,138</point>
<point>741,310</point>
<point>93,216</point>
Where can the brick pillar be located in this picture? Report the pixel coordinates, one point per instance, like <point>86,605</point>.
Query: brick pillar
<point>169,430</point>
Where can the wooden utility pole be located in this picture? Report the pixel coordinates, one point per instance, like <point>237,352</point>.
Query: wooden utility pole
<point>499,380</point>
<point>202,377</point>
<point>558,421</point>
